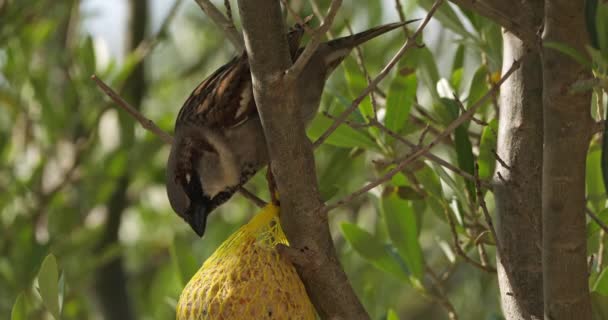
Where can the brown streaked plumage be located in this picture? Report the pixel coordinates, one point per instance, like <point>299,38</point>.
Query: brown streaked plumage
<point>219,141</point>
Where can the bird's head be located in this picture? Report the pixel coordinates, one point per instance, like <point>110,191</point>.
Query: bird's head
<point>199,175</point>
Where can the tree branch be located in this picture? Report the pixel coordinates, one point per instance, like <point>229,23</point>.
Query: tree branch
<point>295,70</point>
<point>145,122</point>
<point>221,21</point>
<point>293,165</point>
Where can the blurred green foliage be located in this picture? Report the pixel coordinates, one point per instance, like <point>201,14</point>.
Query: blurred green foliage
<point>69,160</point>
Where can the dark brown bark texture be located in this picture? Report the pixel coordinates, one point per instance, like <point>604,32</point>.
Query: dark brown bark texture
<point>567,129</point>
<point>517,188</point>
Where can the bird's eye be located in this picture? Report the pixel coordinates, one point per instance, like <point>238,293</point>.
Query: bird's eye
<point>192,185</point>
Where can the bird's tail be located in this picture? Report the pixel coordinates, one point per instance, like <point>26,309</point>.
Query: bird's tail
<point>362,37</point>
<point>341,47</point>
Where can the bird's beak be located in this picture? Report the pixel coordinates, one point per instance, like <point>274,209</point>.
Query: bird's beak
<point>197,217</point>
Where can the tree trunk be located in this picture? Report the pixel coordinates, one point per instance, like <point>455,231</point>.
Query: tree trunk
<point>517,187</point>
<point>304,221</point>
<point>567,129</point>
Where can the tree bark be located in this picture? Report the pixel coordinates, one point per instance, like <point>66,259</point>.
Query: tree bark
<point>304,221</point>
<point>567,130</point>
<point>517,188</point>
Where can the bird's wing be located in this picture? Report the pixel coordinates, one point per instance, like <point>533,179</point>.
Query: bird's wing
<point>222,100</point>
<point>225,98</point>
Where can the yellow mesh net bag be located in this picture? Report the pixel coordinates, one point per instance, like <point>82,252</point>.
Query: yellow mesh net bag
<point>246,278</point>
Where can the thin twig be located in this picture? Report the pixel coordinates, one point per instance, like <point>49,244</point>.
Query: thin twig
<point>483,256</point>
<point>597,219</point>
<point>147,45</point>
<point>500,160</point>
<point>316,10</point>
<point>459,249</point>
<point>228,7</point>
<point>427,127</point>
<point>423,135</point>
<point>429,155</point>
<point>600,250</point>
<point>411,42</point>
<point>599,126</point>
<point>420,109</point>
<point>145,122</point>
<point>484,209</point>
<point>314,42</point>
<point>221,21</point>
<point>421,151</point>
<point>252,197</point>
<point>463,109</point>
<point>296,16</point>
<point>363,68</point>
<point>399,9</point>
<point>441,296</point>
<point>352,124</point>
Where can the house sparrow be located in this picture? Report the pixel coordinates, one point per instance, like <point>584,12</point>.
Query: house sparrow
<point>219,142</point>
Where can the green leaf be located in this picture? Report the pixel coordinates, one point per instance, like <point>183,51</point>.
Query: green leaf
<point>61,290</point>
<point>401,97</point>
<point>464,148</point>
<point>456,80</point>
<point>185,263</point>
<point>458,63</point>
<point>356,84</point>
<point>48,278</point>
<point>402,227</point>
<point>486,159</point>
<point>430,181</point>
<point>337,173</point>
<point>569,51</point>
<point>600,63</point>
<point>423,61</point>
<point>596,191</point>
<point>445,177</point>
<point>590,22</point>
<point>491,45</point>
<point>602,28</point>
<point>344,136</point>
<point>87,52</point>
<point>604,158</point>
<point>599,305</point>
<point>479,86</point>
<point>373,251</point>
<point>448,18</point>
<point>593,227</point>
<point>392,315</point>
<point>19,311</point>
<point>409,193</point>
<point>601,284</point>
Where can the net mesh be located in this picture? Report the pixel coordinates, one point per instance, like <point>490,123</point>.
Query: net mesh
<point>246,278</point>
